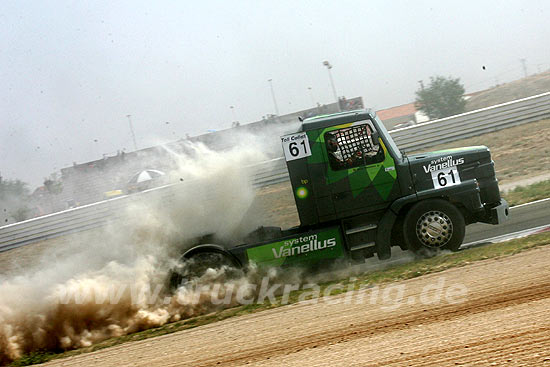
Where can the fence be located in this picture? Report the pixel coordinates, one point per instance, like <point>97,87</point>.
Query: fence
<point>274,171</point>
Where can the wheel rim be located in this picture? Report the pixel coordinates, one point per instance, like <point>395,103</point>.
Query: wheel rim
<point>434,229</point>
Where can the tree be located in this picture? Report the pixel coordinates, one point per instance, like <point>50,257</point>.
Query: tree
<point>14,196</point>
<point>443,97</point>
<point>13,188</point>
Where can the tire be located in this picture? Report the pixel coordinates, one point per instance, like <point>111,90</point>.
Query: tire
<point>434,225</point>
<point>397,235</point>
<point>198,265</point>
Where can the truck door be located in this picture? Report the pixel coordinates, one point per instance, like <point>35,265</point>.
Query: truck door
<point>360,172</point>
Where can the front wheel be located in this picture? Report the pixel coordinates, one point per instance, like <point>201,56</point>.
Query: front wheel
<point>434,225</point>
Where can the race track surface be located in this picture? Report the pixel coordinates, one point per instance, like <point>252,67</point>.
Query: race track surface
<point>502,319</point>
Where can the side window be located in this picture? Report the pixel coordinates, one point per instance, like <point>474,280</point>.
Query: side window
<point>352,147</point>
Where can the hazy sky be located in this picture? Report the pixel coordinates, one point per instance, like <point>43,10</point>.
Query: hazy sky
<point>71,71</point>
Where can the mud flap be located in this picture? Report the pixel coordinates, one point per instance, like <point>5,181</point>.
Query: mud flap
<point>383,235</point>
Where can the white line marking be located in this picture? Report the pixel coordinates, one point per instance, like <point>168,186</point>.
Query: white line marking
<point>530,203</point>
<point>508,236</point>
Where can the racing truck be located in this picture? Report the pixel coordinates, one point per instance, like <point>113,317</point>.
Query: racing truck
<point>357,195</point>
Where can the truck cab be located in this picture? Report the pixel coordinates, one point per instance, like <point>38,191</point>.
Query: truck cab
<point>353,167</point>
<point>345,168</point>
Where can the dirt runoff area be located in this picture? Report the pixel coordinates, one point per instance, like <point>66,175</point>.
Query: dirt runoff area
<point>519,152</point>
<point>488,313</point>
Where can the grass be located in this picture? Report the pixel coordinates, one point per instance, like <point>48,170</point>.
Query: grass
<point>525,194</point>
<point>396,273</point>
<point>525,87</point>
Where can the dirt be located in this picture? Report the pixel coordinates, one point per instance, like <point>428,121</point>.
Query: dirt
<point>17,261</point>
<point>519,152</point>
<point>501,319</point>
<point>504,316</point>
<point>277,202</point>
<point>522,88</point>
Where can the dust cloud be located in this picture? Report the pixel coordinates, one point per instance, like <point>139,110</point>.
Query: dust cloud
<point>113,282</point>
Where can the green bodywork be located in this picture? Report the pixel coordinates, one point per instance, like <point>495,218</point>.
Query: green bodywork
<point>355,211</point>
<point>323,194</point>
<point>305,248</point>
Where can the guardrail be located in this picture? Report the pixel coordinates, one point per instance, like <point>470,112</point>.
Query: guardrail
<point>445,130</point>
<point>473,123</point>
<point>274,171</point>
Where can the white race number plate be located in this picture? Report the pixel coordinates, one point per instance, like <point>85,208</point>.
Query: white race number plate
<point>445,177</point>
<point>296,146</point>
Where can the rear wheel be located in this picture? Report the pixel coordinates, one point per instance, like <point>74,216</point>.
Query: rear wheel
<point>434,225</point>
<point>198,265</point>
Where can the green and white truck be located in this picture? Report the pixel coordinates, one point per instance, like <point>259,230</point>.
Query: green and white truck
<point>357,195</point>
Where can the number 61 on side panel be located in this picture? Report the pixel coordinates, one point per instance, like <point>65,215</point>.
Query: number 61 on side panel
<point>446,177</point>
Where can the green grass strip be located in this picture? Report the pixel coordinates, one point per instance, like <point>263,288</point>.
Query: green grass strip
<point>526,194</point>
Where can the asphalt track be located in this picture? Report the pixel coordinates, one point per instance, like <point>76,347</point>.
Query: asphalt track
<point>522,217</point>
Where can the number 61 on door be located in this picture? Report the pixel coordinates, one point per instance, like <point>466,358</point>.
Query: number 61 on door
<point>296,146</point>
